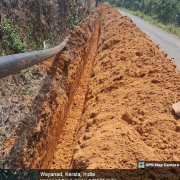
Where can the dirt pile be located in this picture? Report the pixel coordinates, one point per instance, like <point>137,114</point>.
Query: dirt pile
<point>127,115</point>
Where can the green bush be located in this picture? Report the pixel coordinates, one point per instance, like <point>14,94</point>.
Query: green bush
<point>171,27</point>
<point>11,38</point>
<point>166,11</point>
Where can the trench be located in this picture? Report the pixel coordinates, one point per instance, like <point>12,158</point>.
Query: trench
<point>113,103</point>
<point>57,126</point>
<point>66,144</point>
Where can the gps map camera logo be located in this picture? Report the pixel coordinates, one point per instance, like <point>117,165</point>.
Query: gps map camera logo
<point>140,164</point>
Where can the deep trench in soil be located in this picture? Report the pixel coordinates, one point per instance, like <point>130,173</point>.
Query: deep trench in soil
<point>115,102</point>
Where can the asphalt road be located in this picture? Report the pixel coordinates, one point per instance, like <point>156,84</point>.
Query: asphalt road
<point>167,42</point>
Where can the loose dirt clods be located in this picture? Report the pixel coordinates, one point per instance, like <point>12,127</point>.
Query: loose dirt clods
<point>127,115</point>
<point>117,90</point>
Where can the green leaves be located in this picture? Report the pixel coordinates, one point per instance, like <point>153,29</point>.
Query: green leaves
<point>28,73</point>
<point>165,10</point>
<point>25,89</point>
<point>6,82</point>
<point>12,39</point>
<point>5,131</point>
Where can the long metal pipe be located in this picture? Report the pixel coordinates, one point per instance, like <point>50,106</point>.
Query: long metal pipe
<point>14,63</point>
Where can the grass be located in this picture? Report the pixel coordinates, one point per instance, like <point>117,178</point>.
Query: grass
<point>28,73</point>
<point>171,28</point>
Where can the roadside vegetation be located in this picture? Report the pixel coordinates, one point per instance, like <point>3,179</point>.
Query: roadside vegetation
<point>164,14</point>
<point>25,25</point>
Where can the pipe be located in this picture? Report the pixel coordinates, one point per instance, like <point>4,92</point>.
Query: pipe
<point>96,3</point>
<point>14,63</point>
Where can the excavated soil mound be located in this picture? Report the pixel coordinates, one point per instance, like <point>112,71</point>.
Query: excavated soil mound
<point>107,102</point>
<point>126,115</point>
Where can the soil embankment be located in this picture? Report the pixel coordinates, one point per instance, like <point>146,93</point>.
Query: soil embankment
<point>109,100</point>
<point>127,114</point>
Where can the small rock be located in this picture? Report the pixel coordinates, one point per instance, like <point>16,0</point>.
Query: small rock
<point>155,81</point>
<point>146,134</point>
<point>176,107</point>
<point>139,54</point>
<point>127,117</point>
